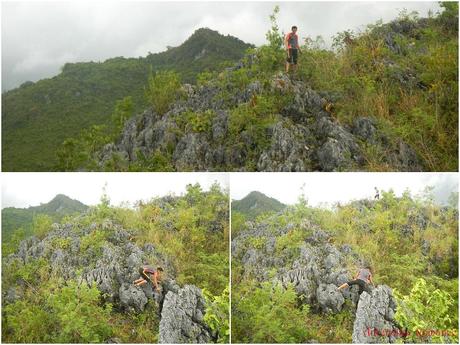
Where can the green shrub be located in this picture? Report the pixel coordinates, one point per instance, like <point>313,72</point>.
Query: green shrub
<point>426,309</point>
<point>41,225</point>
<point>95,240</point>
<point>218,314</point>
<point>269,314</point>
<point>163,89</point>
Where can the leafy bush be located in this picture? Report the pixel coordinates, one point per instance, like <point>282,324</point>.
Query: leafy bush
<point>269,314</point>
<point>217,314</point>
<point>425,314</point>
<point>41,225</point>
<point>162,90</point>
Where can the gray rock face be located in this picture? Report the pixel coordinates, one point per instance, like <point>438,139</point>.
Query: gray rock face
<point>374,321</point>
<point>182,317</point>
<point>315,270</point>
<point>329,298</point>
<point>303,137</point>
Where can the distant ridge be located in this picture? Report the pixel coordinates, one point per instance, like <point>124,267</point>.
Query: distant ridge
<point>256,203</point>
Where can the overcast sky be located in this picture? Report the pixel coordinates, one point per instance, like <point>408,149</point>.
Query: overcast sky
<point>39,37</point>
<point>31,189</point>
<point>339,187</point>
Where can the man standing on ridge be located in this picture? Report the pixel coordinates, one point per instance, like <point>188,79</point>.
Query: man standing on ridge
<point>291,43</point>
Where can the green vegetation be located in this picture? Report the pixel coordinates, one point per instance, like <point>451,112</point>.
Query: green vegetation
<point>190,230</point>
<point>163,89</point>
<point>38,117</point>
<point>217,314</point>
<point>410,241</point>
<point>411,89</point>
<point>424,313</point>
<point>268,314</point>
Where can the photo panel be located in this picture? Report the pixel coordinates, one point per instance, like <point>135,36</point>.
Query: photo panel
<point>344,258</point>
<point>115,258</point>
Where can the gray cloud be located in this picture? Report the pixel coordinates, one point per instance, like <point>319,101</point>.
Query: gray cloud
<point>39,37</point>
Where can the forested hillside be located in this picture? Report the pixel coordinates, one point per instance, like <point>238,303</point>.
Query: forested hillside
<point>255,204</point>
<point>384,99</point>
<point>286,268</point>
<point>72,282</point>
<point>20,220</point>
<point>37,117</point>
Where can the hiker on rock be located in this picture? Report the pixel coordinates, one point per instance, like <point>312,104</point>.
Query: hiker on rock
<point>362,279</point>
<point>377,194</point>
<point>291,43</point>
<point>149,273</point>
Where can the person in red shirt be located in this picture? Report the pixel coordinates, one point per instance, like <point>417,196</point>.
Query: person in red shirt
<point>291,44</point>
<point>149,273</point>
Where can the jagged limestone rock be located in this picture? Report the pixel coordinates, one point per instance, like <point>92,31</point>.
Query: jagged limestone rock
<point>374,322</point>
<point>303,137</point>
<point>182,317</point>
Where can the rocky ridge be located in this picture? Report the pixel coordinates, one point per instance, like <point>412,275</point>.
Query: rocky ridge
<point>305,136</point>
<point>113,268</point>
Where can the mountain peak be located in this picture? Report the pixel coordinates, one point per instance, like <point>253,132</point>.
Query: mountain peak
<point>256,203</point>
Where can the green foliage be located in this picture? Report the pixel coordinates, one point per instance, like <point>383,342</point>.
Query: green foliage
<point>10,246</point>
<point>191,231</point>
<point>158,161</point>
<point>77,309</point>
<point>194,235</point>
<point>238,221</point>
<point>27,323</point>
<point>424,310</point>
<point>290,241</point>
<point>196,122</point>
<point>257,242</point>
<point>269,314</point>
<point>123,111</point>
<point>41,225</point>
<point>95,240</point>
<point>217,314</point>
<point>70,314</point>
<point>61,243</point>
<point>162,90</point>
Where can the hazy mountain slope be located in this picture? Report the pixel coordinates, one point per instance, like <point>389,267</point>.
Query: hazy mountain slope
<point>37,117</point>
<point>60,206</point>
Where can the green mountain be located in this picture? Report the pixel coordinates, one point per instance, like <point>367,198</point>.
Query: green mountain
<point>14,218</point>
<point>38,117</point>
<point>256,203</point>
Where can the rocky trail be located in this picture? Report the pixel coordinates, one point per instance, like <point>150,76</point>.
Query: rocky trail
<point>113,267</point>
